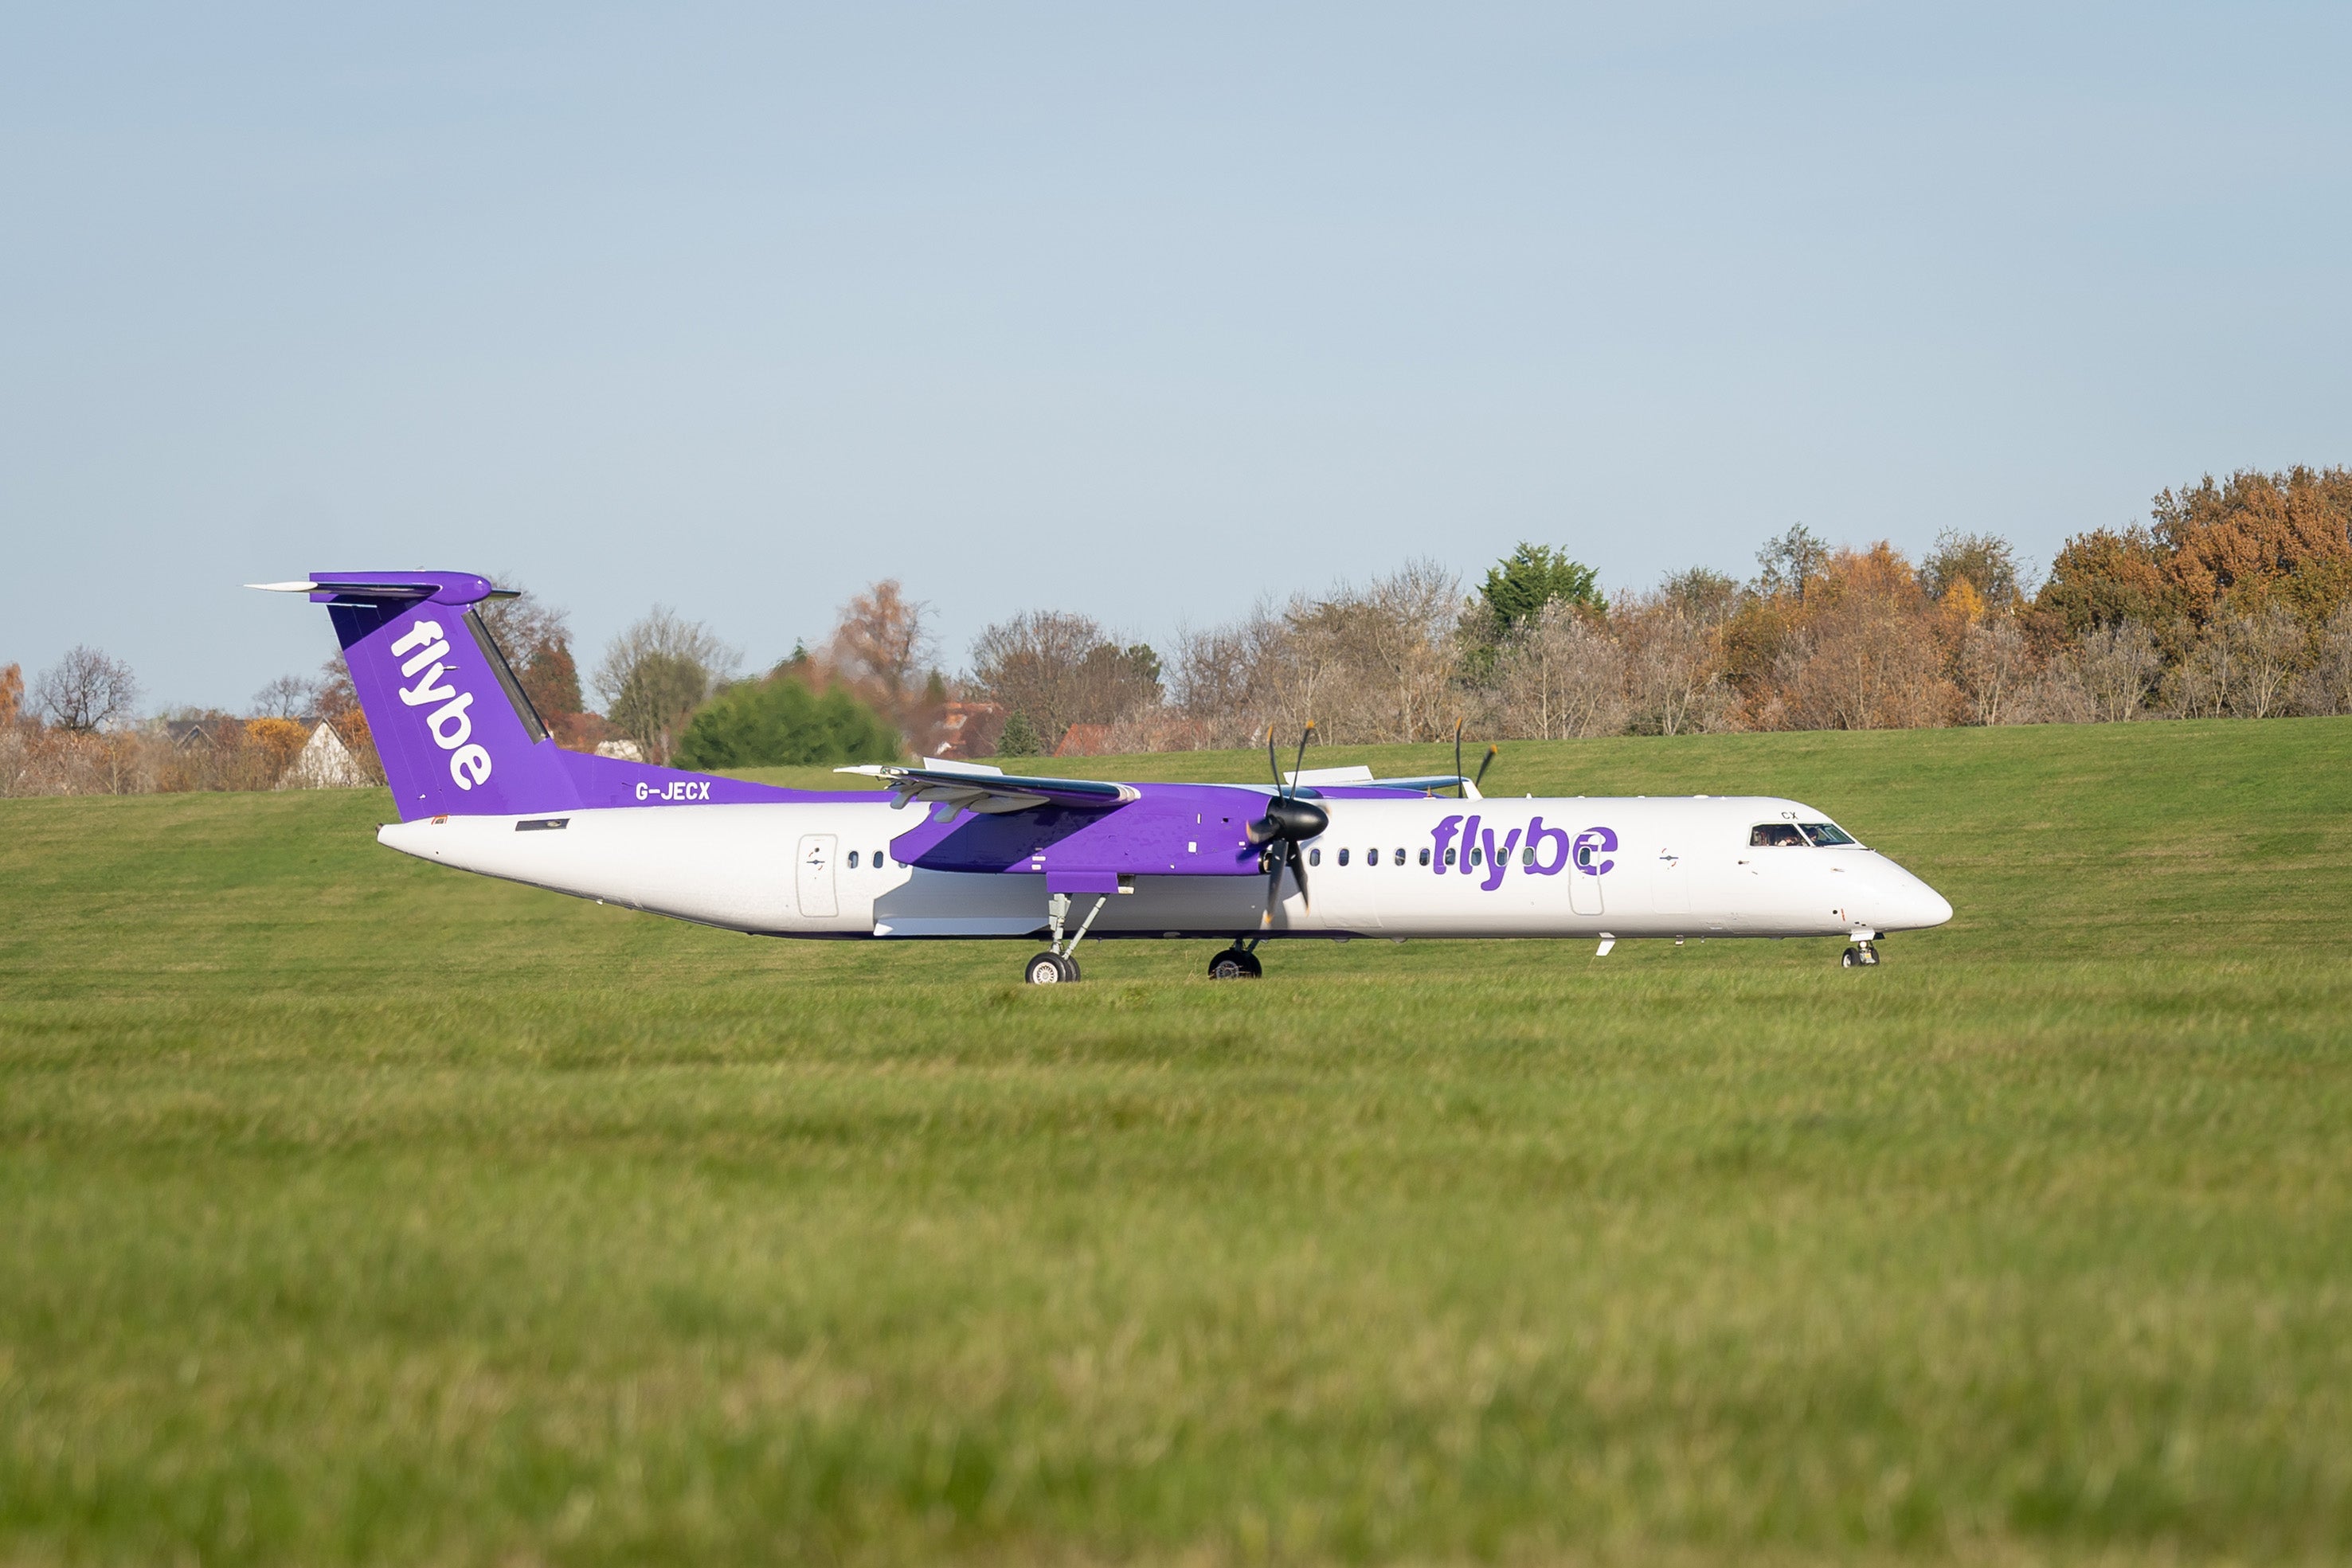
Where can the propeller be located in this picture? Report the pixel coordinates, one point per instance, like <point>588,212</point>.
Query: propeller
<point>1492,752</point>
<point>1288,822</point>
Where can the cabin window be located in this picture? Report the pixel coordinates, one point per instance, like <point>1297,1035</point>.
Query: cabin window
<point>1826,834</point>
<point>1371,857</point>
<point>1449,855</point>
<point>1477,857</point>
<point>1343,857</point>
<point>853,859</point>
<point>1776,835</point>
<point>1527,855</point>
<point>880,858</point>
<point>1314,857</point>
<point>1399,857</point>
<point>1424,855</point>
<point>1584,855</point>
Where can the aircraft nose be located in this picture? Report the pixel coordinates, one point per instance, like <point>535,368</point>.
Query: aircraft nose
<point>1913,905</point>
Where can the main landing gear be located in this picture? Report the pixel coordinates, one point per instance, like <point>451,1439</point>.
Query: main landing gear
<point>1237,963</point>
<point>1055,965</point>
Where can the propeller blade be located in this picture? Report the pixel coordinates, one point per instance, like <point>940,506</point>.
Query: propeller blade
<point>1299,762</point>
<point>1458,789</point>
<point>1285,857</point>
<point>1492,752</point>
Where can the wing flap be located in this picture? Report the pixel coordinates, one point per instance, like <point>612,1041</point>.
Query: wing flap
<point>993,794</point>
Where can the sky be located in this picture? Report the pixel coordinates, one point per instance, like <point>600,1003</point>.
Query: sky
<point>1146,311</point>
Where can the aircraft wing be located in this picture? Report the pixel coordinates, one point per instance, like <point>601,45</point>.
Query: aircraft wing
<point>1422,784</point>
<point>992,794</point>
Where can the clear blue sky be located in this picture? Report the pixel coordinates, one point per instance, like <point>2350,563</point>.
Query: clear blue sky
<point>1145,311</point>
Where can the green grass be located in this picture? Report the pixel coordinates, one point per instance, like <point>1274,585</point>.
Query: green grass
<point>356,1210</point>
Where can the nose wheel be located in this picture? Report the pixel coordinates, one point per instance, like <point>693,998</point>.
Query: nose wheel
<point>1861,955</point>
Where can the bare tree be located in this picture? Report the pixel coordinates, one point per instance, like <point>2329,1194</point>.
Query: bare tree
<point>2117,666</point>
<point>2241,664</point>
<point>656,674</point>
<point>86,691</point>
<point>2325,685</point>
<point>1560,676</point>
<point>1994,667</point>
<point>1670,674</point>
<point>2273,645</point>
<point>1059,669</point>
<point>288,697</point>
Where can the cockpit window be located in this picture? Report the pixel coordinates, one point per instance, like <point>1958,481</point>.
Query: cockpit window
<point>1827,833</point>
<point>1769,835</point>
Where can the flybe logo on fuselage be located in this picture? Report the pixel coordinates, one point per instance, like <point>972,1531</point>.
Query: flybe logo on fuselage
<point>1542,851</point>
<point>425,654</point>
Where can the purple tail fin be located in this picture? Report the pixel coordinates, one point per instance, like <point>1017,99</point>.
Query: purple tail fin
<point>457,734</point>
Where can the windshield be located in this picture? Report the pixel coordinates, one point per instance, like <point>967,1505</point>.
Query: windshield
<point>1826,834</point>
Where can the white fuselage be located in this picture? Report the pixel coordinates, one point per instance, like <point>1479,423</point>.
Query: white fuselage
<point>1682,866</point>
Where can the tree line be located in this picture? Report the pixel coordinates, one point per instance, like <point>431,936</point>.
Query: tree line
<point>2233,599</point>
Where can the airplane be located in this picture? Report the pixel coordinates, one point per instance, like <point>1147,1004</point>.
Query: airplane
<point>1334,854</point>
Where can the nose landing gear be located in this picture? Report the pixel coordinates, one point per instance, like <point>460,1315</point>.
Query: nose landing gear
<point>1861,955</point>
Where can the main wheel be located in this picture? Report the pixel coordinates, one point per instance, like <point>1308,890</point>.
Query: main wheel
<point>1870,957</point>
<point>1045,969</point>
<point>1233,964</point>
<point>1070,967</point>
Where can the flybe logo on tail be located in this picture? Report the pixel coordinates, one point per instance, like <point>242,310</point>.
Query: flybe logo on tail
<point>426,651</point>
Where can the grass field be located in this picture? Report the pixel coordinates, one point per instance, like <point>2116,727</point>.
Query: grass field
<point>355,1210</point>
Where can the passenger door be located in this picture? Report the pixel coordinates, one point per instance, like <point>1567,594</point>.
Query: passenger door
<point>1585,895</point>
<point>816,898</point>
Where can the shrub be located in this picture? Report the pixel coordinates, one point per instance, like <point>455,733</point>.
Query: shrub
<point>778,721</point>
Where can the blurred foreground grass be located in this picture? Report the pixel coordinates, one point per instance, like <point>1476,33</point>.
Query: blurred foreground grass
<point>356,1210</point>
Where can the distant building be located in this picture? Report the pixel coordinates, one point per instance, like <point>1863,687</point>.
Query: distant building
<point>204,734</point>
<point>626,750</point>
<point>323,763</point>
<point>968,729</point>
<point>1084,741</point>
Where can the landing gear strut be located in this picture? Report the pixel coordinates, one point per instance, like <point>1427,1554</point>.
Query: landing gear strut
<point>1055,965</point>
<point>1235,963</point>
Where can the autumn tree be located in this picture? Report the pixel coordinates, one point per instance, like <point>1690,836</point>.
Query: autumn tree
<point>1985,562</point>
<point>1867,657</point>
<point>536,639</point>
<point>882,646</point>
<point>2255,535</point>
<point>1788,564</point>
